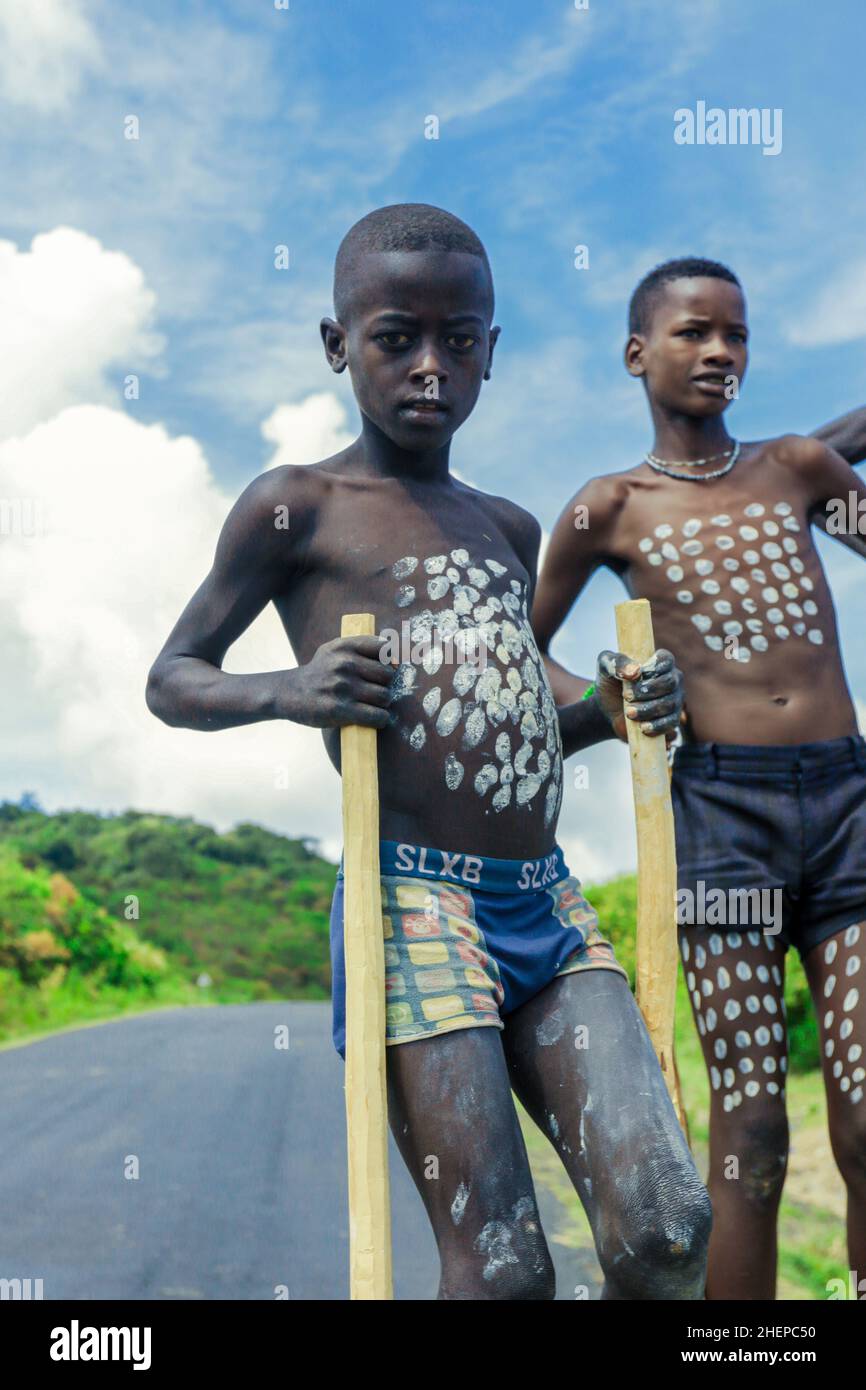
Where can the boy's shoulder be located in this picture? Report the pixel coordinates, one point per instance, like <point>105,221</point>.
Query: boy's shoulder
<point>795,451</point>
<point>606,495</point>
<point>522,528</point>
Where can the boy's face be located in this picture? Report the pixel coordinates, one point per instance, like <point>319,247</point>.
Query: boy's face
<point>694,354</point>
<point>418,343</point>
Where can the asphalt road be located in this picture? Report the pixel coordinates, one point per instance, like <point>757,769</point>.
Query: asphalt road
<point>240,1150</point>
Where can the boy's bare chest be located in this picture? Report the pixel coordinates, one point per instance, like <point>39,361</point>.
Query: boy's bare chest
<point>728,572</point>
<point>450,565</point>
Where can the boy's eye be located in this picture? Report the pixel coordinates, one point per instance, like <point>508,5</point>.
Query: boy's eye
<point>688,333</point>
<point>740,337</point>
<point>394,339</point>
<point>462,341</point>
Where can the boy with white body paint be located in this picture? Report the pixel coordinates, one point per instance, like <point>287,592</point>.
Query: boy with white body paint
<point>496,973</point>
<point>769,789</point>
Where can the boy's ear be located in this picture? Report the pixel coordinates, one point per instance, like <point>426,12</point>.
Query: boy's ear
<point>334,339</point>
<point>633,355</point>
<point>494,338</point>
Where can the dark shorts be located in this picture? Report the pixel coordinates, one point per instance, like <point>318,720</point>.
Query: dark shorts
<point>467,940</point>
<point>777,831</point>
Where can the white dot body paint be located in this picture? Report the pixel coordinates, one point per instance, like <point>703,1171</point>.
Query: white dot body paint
<point>711,1020</point>
<point>720,1048</point>
<point>846,1028</point>
<point>453,772</point>
<point>762,1036</point>
<point>852,936</point>
<point>732,1010</point>
<point>742,1038</point>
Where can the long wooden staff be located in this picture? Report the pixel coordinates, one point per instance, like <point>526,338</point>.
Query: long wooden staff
<point>366,1093</point>
<point>656,863</point>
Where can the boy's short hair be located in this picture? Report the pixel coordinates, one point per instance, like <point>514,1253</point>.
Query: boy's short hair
<point>685,268</point>
<point>401,227</point>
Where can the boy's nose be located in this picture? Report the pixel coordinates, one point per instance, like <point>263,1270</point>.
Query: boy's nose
<point>718,351</point>
<point>428,364</point>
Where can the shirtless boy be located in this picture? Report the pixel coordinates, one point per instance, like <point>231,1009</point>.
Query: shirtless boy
<point>496,971</point>
<point>769,787</point>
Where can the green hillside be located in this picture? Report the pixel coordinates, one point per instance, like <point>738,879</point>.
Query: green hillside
<point>102,913</point>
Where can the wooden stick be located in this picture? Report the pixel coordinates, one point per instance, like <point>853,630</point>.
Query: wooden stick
<point>656,863</point>
<point>366,1092</point>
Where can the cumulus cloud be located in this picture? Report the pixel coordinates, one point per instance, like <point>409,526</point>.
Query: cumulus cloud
<point>128,521</point>
<point>108,526</point>
<point>70,312</point>
<point>46,47</point>
<point>309,431</point>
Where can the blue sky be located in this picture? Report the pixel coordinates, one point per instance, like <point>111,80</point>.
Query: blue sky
<point>261,126</point>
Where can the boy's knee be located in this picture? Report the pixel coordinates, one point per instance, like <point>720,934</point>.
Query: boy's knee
<point>761,1154</point>
<point>658,1247</point>
<point>848,1138</point>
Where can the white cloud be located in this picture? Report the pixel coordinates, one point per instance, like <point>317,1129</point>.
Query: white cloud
<point>131,519</point>
<point>109,526</point>
<point>837,314</point>
<point>307,432</point>
<point>69,311</point>
<point>46,46</point>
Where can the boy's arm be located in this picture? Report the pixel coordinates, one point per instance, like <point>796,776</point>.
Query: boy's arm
<point>255,562</point>
<point>847,435</point>
<point>838,503</point>
<point>657,692</point>
<point>573,556</point>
